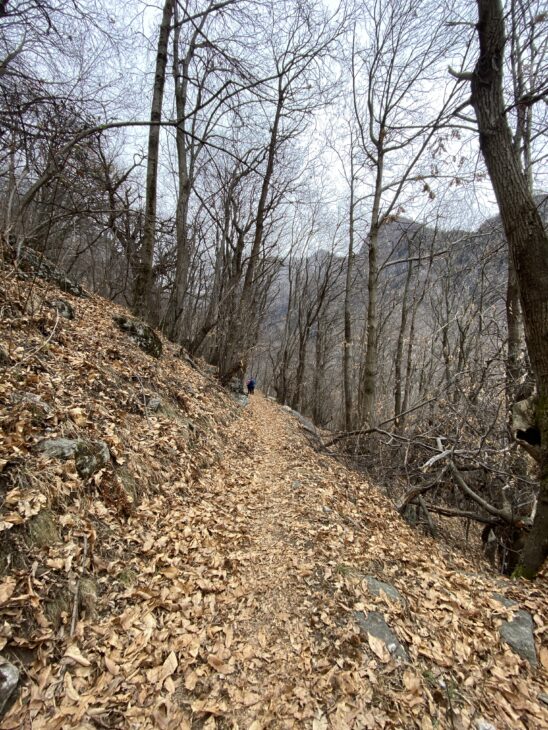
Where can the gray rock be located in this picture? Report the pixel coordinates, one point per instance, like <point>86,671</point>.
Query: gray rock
<point>153,403</point>
<point>9,685</point>
<point>518,633</point>
<point>65,309</point>
<point>143,335</point>
<point>57,448</point>
<point>376,586</point>
<point>90,457</point>
<point>543,697</point>
<point>240,398</point>
<point>373,623</point>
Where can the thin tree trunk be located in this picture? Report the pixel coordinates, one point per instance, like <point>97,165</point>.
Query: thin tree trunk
<point>369,385</point>
<point>347,345</point>
<point>399,350</point>
<point>143,282</point>
<point>242,323</point>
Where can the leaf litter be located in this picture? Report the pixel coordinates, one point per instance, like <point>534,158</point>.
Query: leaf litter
<point>224,561</point>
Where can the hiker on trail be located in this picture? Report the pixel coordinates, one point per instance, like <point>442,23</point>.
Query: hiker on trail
<point>250,386</point>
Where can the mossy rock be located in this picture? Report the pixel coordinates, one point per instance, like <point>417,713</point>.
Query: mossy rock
<point>41,530</point>
<point>143,335</point>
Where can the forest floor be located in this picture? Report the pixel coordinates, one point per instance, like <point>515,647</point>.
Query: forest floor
<point>230,596</point>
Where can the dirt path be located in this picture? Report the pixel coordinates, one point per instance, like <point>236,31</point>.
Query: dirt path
<point>233,604</point>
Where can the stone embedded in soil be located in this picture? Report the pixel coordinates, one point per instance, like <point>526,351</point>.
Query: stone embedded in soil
<point>89,456</point>
<point>376,586</point>
<point>9,682</point>
<point>153,403</point>
<point>518,633</point>
<point>65,309</point>
<point>5,359</point>
<point>143,335</point>
<point>60,448</point>
<point>373,623</point>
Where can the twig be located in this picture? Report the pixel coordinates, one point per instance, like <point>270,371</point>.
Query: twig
<point>75,609</point>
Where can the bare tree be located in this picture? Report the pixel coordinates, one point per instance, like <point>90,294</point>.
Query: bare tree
<point>525,232</point>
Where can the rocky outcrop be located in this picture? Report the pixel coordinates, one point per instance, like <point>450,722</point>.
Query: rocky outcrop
<point>143,335</point>
<point>89,456</point>
<point>32,263</point>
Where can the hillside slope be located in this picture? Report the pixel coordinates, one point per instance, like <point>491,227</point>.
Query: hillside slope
<point>216,571</point>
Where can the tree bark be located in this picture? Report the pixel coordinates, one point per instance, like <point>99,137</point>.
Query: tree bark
<point>347,345</point>
<point>143,281</point>
<point>399,350</point>
<point>527,239</point>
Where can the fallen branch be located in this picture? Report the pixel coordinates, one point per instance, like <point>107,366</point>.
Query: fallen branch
<point>446,512</point>
<point>503,514</point>
<point>417,491</point>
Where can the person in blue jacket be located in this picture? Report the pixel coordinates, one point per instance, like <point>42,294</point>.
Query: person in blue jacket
<point>250,386</point>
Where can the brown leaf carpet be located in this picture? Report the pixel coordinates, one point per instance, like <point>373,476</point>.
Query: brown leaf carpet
<point>241,613</point>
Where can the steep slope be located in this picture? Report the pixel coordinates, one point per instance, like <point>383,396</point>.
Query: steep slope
<point>218,571</point>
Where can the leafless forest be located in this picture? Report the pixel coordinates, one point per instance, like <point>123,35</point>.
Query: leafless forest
<point>347,201</point>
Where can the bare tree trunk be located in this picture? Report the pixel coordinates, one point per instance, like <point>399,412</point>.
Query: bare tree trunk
<point>399,350</point>
<point>301,365</point>
<point>347,345</point>
<point>319,367</point>
<point>180,75</point>
<point>369,383</point>
<point>513,323</point>
<point>527,239</point>
<point>143,281</point>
